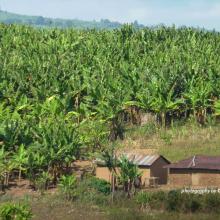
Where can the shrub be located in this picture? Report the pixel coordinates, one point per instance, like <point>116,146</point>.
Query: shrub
<point>67,186</point>
<point>174,202</point>
<point>154,200</point>
<point>100,185</point>
<point>178,202</point>
<point>160,196</point>
<point>143,199</point>
<point>212,202</point>
<point>42,182</point>
<point>11,211</point>
<point>194,204</point>
<point>191,202</point>
<point>158,199</point>
<point>93,190</point>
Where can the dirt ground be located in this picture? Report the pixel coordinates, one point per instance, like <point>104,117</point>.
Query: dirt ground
<point>23,188</point>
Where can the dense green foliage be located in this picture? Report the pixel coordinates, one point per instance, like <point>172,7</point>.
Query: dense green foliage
<point>39,21</point>
<point>88,190</point>
<point>100,185</point>
<point>67,186</point>
<point>128,174</point>
<point>10,211</point>
<point>65,93</point>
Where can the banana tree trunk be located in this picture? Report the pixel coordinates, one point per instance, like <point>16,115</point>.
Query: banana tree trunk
<point>163,119</point>
<point>1,184</point>
<point>77,104</point>
<point>7,175</point>
<point>129,188</point>
<point>19,174</point>
<point>113,186</point>
<point>113,131</point>
<point>135,115</point>
<point>205,115</point>
<point>194,113</point>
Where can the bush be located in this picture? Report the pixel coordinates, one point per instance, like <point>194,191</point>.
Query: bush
<point>212,202</point>
<point>67,186</point>
<point>178,202</point>
<point>100,185</point>
<point>174,202</point>
<point>161,196</point>
<point>94,191</point>
<point>143,199</point>
<point>191,202</point>
<point>11,211</point>
<point>154,200</point>
<point>42,182</point>
<point>194,204</point>
<point>158,200</point>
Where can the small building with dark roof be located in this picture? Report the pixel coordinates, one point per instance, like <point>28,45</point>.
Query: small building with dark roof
<point>197,170</point>
<point>151,166</point>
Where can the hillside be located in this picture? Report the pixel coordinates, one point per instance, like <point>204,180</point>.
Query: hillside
<point>39,21</point>
<point>175,143</point>
<point>68,94</point>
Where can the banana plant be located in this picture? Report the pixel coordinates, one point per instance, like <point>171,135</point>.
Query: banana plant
<point>4,171</point>
<point>128,174</point>
<point>199,97</point>
<point>163,100</point>
<point>67,186</point>
<point>217,107</point>
<point>20,159</point>
<point>109,157</point>
<point>64,89</point>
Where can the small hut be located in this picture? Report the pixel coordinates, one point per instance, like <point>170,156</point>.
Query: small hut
<point>197,170</point>
<point>151,167</point>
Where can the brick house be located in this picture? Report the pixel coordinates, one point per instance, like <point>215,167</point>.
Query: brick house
<point>197,170</point>
<point>151,166</point>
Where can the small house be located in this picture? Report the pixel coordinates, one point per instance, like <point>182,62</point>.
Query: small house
<point>151,167</point>
<point>201,171</point>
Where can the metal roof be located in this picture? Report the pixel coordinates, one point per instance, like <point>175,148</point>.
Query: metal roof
<point>140,159</point>
<point>197,162</point>
<point>137,159</point>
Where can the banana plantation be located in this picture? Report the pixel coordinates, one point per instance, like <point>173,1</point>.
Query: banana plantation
<point>65,94</point>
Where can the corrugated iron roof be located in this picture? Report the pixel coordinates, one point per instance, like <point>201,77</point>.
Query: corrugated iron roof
<point>197,162</point>
<point>140,159</point>
<point>137,159</point>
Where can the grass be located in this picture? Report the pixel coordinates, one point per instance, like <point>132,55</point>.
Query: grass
<point>175,143</point>
<point>52,207</point>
